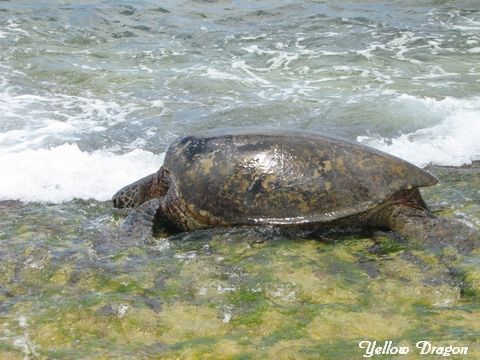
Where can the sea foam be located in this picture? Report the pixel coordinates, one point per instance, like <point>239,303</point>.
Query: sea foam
<point>65,172</point>
<point>454,141</point>
<point>448,133</point>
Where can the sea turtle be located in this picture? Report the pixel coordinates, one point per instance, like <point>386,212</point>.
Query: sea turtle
<point>279,177</point>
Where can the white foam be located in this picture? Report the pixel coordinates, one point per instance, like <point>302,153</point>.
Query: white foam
<point>65,172</point>
<point>454,141</point>
<point>448,134</point>
<point>39,158</point>
<point>29,120</point>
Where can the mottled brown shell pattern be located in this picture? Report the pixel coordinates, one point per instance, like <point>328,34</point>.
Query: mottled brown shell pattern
<point>283,177</point>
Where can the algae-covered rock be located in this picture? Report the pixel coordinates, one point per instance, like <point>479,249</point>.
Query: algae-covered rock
<point>68,291</point>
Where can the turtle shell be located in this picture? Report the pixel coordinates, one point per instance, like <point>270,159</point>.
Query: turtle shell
<point>283,177</point>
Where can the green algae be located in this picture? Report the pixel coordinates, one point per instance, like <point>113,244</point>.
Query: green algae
<point>69,291</point>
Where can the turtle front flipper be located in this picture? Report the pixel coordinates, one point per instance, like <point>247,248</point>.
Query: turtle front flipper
<point>139,224</point>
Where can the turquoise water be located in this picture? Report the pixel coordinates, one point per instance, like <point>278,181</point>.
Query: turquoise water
<point>92,93</point>
<point>95,81</point>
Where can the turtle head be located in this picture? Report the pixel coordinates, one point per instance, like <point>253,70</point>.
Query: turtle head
<point>128,196</point>
<point>133,195</point>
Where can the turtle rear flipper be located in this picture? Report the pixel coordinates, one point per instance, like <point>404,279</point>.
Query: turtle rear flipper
<point>432,231</point>
<point>139,224</point>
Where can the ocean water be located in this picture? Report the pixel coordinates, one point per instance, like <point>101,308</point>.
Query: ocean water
<point>93,92</point>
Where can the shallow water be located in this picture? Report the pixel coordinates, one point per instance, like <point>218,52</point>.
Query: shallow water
<point>91,95</point>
